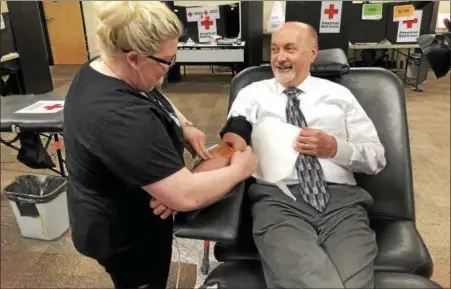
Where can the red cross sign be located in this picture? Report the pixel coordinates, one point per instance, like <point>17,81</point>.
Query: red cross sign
<point>52,107</point>
<point>410,23</point>
<point>190,14</point>
<point>206,23</point>
<point>331,11</point>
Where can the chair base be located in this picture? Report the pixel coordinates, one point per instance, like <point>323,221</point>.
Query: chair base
<point>249,274</point>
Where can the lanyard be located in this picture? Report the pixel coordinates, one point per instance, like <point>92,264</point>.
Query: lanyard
<point>153,97</point>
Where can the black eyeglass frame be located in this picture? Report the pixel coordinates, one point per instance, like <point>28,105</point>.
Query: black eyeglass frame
<point>159,60</point>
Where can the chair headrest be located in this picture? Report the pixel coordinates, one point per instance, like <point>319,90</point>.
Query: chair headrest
<point>330,63</point>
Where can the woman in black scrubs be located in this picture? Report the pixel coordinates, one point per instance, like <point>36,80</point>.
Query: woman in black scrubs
<point>124,148</point>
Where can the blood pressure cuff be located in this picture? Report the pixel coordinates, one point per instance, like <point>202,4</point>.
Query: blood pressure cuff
<point>238,125</point>
<point>32,152</point>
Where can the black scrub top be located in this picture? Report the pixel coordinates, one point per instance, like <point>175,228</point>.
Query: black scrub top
<point>117,141</point>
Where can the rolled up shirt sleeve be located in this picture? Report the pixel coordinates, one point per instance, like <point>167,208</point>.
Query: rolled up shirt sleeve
<point>242,115</point>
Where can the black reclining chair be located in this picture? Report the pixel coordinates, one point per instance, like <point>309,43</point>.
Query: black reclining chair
<point>403,261</point>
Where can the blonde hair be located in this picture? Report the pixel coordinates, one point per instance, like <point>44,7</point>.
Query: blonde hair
<point>135,25</point>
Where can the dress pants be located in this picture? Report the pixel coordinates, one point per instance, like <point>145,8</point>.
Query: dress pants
<point>301,247</point>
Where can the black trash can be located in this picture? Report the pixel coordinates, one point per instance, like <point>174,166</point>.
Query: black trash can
<point>39,203</point>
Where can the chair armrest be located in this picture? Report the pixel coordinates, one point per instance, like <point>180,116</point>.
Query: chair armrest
<point>218,222</point>
<point>401,248</point>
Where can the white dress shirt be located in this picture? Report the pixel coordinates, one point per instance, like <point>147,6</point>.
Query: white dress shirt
<point>329,107</point>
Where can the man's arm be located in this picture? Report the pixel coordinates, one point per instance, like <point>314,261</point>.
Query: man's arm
<point>242,115</point>
<point>235,134</point>
<point>362,151</point>
<point>222,155</point>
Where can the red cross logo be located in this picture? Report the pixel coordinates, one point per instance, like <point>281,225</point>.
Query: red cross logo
<point>331,11</point>
<point>52,107</point>
<point>409,23</point>
<point>190,14</point>
<point>207,23</point>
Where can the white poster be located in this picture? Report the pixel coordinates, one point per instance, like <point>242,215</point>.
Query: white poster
<point>330,21</point>
<point>194,14</point>
<point>44,106</point>
<point>277,17</point>
<point>409,30</point>
<point>207,29</point>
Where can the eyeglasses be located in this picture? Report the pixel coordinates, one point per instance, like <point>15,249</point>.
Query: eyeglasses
<point>159,60</point>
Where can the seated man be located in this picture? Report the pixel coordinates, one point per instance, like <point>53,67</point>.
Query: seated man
<point>321,238</point>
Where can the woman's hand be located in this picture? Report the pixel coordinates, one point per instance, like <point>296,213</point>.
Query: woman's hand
<point>195,143</point>
<point>222,155</point>
<point>160,209</point>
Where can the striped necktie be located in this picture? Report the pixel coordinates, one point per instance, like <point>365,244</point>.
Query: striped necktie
<point>311,179</point>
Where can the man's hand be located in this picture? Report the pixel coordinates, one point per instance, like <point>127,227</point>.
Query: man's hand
<point>195,143</point>
<point>160,209</point>
<point>236,141</point>
<point>316,143</point>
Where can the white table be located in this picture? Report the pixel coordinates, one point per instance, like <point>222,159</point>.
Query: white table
<point>197,53</point>
<point>395,50</point>
<point>210,54</point>
<point>385,45</point>
<point>5,64</point>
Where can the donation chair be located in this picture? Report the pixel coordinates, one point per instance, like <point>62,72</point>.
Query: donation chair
<point>403,260</point>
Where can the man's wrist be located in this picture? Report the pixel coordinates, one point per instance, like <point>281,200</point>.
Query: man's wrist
<point>343,152</point>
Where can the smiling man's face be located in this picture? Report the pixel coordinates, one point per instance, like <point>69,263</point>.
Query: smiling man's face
<point>292,52</point>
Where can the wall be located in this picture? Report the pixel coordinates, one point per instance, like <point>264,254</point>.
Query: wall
<point>3,7</point>
<point>267,7</point>
<point>91,23</point>
<point>202,3</point>
<point>207,3</point>
<point>91,20</point>
<point>443,8</point>
<point>7,44</point>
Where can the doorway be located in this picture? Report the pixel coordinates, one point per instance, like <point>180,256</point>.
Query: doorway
<point>65,32</point>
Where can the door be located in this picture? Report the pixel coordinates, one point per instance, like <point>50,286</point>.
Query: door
<point>66,33</point>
